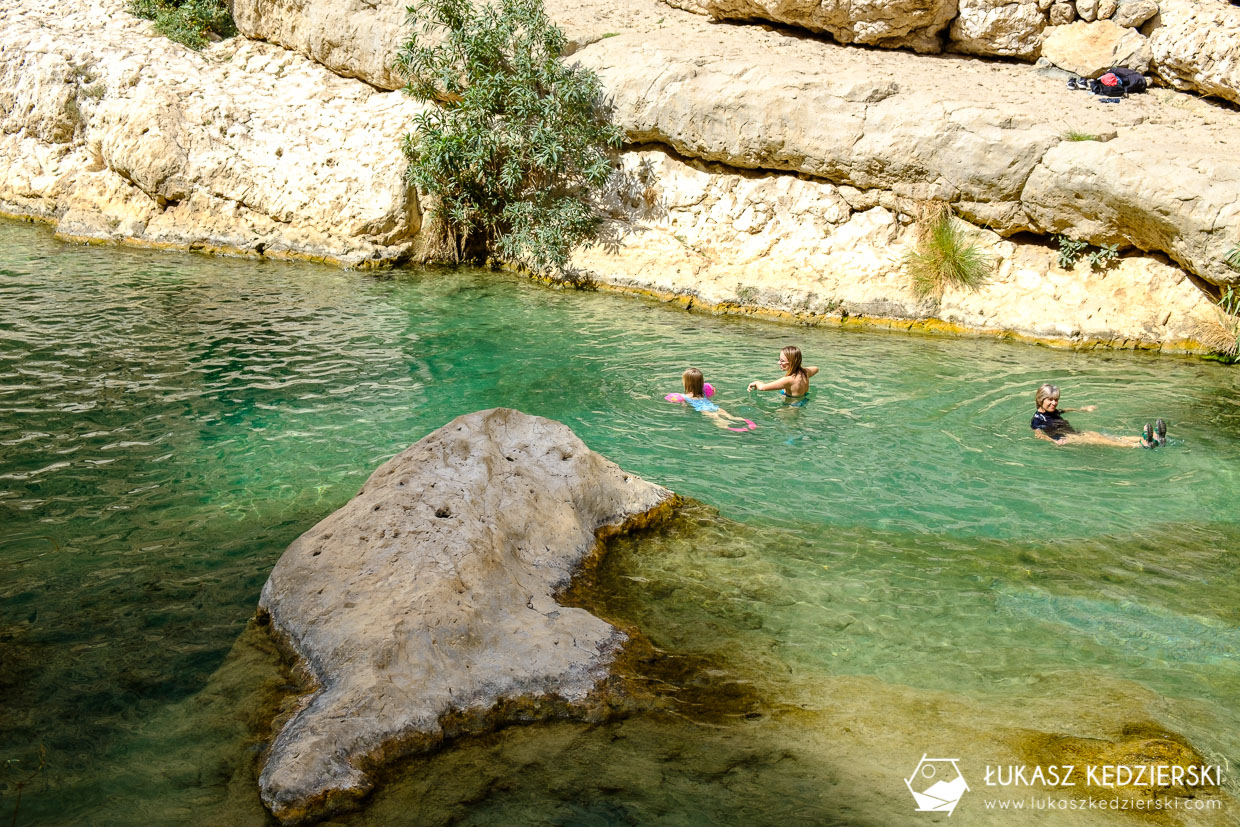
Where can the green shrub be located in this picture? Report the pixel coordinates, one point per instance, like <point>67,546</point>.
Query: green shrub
<point>1105,256</point>
<point>1069,251</point>
<point>187,21</point>
<point>1073,135</point>
<point>947,254</point>
<point>515,150</point>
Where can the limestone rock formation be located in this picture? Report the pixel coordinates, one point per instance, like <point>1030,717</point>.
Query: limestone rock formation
<point>355,38</point>
<point>116,133</point>
<point>756,100</point>
<point>1133,13</point>
<point>1197,46</point>
<point>1089,49</point>
<point>1118,191</point>
<point>695,234</point>
<point>999,27</point>
<point>360,38</point>
<point>913,24</point>
<point>1061,14</point>
<point>433,593</point>
<point>1196,41</point>
<point>248,147</point>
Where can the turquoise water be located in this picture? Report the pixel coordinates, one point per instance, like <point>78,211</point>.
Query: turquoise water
<point>169,423</point>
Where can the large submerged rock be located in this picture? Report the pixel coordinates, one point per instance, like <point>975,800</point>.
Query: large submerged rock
<point>432,594</point>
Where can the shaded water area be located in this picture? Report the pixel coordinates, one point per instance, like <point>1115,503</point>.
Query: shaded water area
<point>896,568</point>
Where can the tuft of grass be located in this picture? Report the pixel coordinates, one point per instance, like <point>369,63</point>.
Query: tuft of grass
<point>1221,334</point>
<point>1073,135</point>
<point>609,34</point>
<point>1232,259</point>
<point>947,254</point>
<point>189,22</point>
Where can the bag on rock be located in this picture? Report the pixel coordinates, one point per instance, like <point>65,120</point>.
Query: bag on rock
<point>1108,86</point>
<point>1131,80</point>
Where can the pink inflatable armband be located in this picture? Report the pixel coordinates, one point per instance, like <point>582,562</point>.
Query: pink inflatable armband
<point>707,388</point>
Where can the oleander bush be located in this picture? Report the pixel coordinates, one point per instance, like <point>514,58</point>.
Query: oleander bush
<point>516,147</point>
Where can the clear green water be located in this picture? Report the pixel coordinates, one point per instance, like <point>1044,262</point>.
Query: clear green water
<point>168,424</point>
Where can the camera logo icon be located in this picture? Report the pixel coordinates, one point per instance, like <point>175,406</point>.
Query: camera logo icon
<point>936,785</point>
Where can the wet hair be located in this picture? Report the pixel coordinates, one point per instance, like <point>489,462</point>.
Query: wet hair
<point>1047,391</point>
<point>793,354</point>
<point>693,382</point>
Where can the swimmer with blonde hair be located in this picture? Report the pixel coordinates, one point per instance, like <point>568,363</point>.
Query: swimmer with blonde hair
<point>695,397</point>
<point>1048,423</point>
<point>795,382</point>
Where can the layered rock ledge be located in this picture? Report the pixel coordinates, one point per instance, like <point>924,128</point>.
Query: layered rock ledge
<point>786,168</point>
<point>116,134</point>
<point>432,595</point>
<point>783,171</point>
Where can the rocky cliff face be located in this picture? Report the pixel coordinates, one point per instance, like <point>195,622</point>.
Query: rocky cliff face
<point>119,135</point>
<point>791,165</point>
<point>432,593</point>
<point>697,234</point>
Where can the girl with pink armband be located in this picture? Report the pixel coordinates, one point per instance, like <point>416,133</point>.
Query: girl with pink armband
<point>696,396</point>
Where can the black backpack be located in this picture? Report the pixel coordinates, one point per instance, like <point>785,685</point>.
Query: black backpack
<point>1132,81</point>
<point>1099,86</point>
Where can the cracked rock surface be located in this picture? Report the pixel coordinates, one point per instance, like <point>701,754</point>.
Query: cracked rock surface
<point>116,133</point>
<point>988,137</point>
<point>787,167</point>
<point>927,127</point>
<point>433,592</point>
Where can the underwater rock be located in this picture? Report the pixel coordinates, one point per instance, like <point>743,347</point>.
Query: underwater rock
<point>1141,744</point>
<point>427,605</point>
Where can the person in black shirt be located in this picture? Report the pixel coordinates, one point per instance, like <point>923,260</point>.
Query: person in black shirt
<point>1048,423</point>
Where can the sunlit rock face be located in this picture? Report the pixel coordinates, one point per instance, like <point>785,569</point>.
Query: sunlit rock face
<point>115,133</point>
<point>1197,46</point>
<point>900,24</point>
<point>432,595</point>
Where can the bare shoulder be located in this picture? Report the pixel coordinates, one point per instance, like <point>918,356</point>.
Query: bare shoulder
<point>811,370</point>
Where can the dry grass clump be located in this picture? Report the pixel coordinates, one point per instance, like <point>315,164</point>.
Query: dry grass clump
<point>947,254</point>
<point>1221,334</point>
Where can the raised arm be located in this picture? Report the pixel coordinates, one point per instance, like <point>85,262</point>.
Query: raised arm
<point>778,385</point>
<point>811,370</point>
